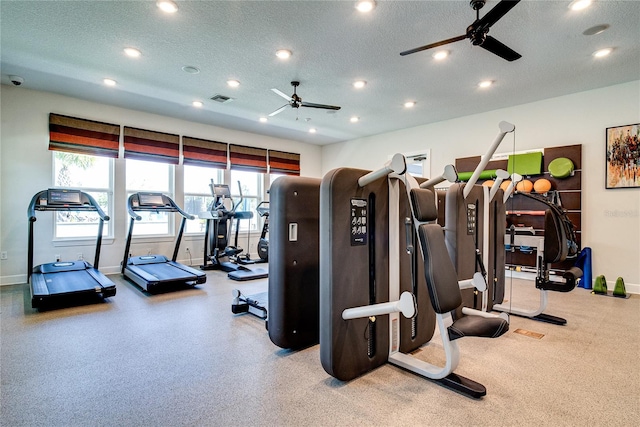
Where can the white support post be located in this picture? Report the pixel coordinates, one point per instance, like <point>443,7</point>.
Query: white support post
<point>515,179</point>
<point>505,127</point>
<point>450,174</point>
<point>397,165</point>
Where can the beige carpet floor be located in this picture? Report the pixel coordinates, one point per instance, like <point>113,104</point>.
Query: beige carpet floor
<point>183,359</point>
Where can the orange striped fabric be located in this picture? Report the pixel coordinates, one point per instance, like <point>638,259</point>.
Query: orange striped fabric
<point>248,158</point>
<point>74,135</point>
<point>202,152</point>
<point>285,163</point>
<point>140,144</point>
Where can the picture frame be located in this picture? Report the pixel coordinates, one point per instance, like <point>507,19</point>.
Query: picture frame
<point>622,157</point>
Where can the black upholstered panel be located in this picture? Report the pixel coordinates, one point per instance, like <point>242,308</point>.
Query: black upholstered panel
<point>440,273</point>
<point>555,238</point>
<point>424,204</point>
<point>344,275</point>
<point>294,264</point>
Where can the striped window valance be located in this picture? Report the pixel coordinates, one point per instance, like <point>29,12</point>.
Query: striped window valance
<point>82,136</point>
<point>285,163</point>
<point>201,152</point>
<point>140,144</point>
<point>248,158</point>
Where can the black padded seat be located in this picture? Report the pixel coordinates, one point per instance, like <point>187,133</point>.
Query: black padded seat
<point>442,281</point>
<point>476,326</point>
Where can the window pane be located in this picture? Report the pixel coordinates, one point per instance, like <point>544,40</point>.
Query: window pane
<point>195,205</point>
<point>148,176</point>
<point>197,179</point>
<point>82,223</point>
<point>152,177</point>
<point>91,174</point>
<point>251,183</point>
<point>78,170</point>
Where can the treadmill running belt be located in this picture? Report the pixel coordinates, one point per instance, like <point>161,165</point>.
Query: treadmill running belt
<point>166,272</point>
<point>70,281</point>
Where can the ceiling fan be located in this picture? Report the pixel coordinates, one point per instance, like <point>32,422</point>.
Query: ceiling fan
<point>478,31</point>
<point>295,101</point>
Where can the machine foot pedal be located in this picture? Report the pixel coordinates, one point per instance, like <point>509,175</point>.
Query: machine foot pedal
<point>463,385</point>
<point>547,318</point>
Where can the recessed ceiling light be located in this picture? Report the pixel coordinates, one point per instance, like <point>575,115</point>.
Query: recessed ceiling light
<point>485,84</point>
<point>312,130</point>
<point>233,83</point>
<point>598,29</point>
<point>109,82</point>
<point>365,5</point>
<point>167,6</point>
<point>602,52</point>
<point>579,4</point>
<point>440,55</point>
<point>263,120</point>
<point>354,119</point>
<point>190,69</point>
<point>409,104</point>
<point>197,104</point>
<point>359,84</point>
<point>283,53</point>
<point>132,52</point>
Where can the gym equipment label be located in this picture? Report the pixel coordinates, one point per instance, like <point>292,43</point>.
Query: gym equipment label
<point>358,220</point>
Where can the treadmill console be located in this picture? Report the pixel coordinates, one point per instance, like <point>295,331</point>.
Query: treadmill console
<point>63,197</point>
<point>151,199</point>
<point>221,190</point>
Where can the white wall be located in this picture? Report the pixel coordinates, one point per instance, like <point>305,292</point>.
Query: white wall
<point>27,168</point>
<point>610,218</point>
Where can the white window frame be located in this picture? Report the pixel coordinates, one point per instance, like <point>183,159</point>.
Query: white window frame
<point>171,231</point>
<point>217,179</point>
<point>108,237</point>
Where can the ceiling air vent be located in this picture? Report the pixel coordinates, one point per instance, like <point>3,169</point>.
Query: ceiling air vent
<point>221,98</point>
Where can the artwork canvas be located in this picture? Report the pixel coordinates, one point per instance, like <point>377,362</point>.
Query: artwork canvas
<point>623,157</point>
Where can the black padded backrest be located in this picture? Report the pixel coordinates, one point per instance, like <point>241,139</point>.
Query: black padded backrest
<point>555,238</point>
<point>424,204</point>
<point>442,280</point>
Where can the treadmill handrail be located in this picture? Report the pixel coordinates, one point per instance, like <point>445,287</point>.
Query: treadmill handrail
<point>93,206</point>
<point>31,213</point>
<point>172,208</point>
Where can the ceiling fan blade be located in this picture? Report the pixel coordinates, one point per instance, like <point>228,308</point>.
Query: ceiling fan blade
<point>277,92</point>
<point>326,107</point>
<point>279,110</point>
<point>496,13</point>
<point>432,45</point>
<point>498,48</point>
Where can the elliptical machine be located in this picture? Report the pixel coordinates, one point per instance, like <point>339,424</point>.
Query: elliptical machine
<point>263,243</point>
<point>218,254</point>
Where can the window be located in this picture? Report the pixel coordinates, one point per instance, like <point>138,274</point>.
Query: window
<point>93,175</point>
<point>152,177</point>
<point>197,193</point>
<point>252,190</point>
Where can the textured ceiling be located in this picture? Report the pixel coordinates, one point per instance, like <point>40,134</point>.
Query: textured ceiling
<point>68,47</point>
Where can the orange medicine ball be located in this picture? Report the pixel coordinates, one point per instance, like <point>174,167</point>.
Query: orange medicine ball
<point>505,184</point>
<point>488,183</point>
<point>525,186</point>
<point>542,185</point>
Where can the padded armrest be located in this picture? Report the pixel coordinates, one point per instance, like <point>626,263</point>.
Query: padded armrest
<point>477,326</point>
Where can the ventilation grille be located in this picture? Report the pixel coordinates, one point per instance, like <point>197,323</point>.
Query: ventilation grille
<point>221,98</point>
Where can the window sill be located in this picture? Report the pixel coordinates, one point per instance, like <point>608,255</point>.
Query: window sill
<point>80,241</point>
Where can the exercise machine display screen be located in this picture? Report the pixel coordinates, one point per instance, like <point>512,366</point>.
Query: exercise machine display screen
<point>151,199</point>
<point>221,190</point>
<point>63,197</point>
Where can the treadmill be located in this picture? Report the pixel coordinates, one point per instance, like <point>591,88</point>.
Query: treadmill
<point>63,280</point>
<point>151,272</point>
